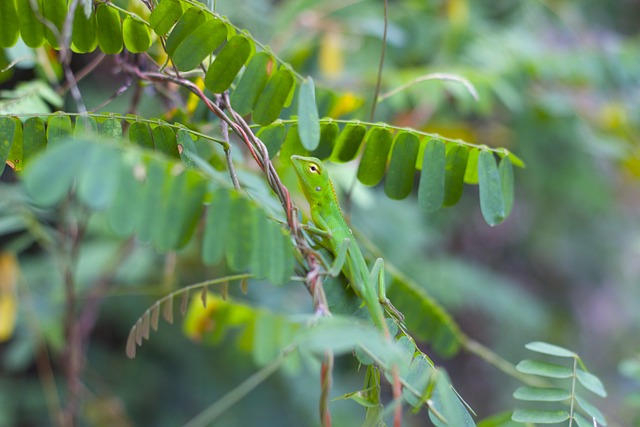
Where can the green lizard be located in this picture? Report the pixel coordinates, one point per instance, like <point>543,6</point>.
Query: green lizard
<point>328,218</point>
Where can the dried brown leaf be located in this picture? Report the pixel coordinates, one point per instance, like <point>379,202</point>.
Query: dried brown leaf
<point>155,316</point>
<point>185,302</point>
<point>203,296</point>
<point>167,310</point>
<point>131,344</point>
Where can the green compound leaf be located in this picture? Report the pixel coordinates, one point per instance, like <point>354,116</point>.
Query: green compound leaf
<point>109,29</point>
<point>348,142</point>
<point>10,28</point>
<point>253,81</point>
<point>98,183</point>
<point>374,159</point>
<point>31,29</point>
<point>432,178</point>
<point>550,349</point>
<point>165,15</point>
<point>139,133</point>
<point>58,128</point>
<point>402,166</point>
<point>544,369</point>
<point>308,119</point>
<point>590,409</point>
<point>164,139</point>
<point>34,138</point>
<point>491,195</point>
<point>8,132</point>
<point>273,136</point>
<point>216,224</point>
<point>274,97</point>
<point>591,383</point>
<point>506,181</point>
<point>136,35</point>
<point>55,12</point>
<point>191,20</point>
<point>199,44</point>
<point>540,417</point>
<point>84,34</point>
<point>228,64</point>
<point>541,394</point>
<point>456,165</point>
<point>328,135</point>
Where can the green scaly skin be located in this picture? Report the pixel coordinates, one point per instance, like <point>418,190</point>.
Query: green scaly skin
<point>327,216</point>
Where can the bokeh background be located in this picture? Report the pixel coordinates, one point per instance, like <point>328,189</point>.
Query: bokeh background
<point>558,84</point>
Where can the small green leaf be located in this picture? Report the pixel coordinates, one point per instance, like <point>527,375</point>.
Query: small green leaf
<point>550,349</point>
<point>401,173</point>
<point>506,181</point>
<point>275,95</point>
<point>31,29</point>
<point>582,421</point>
<point>51,175</point>
<point>218,214</point>
<point>185,141</point>
<point>152,195</point>
<point>591,410</point>
<point>292,145</point>
<point>98,182</point>
<point>85,125</point>
<point>136,35</point>
<point>455,168</point>
<point>122,218</point>
<point>328,135</point>
<point>164,139</point>
<point>272,136</point>
<point>491,196</point>
<point>240,233</point>
<point>8,128</point>
<point>541,394</point>
<point>591,383</point>
<point>191,20</point>
<point>308,119</point>
<point>166,13</point>
<point>471,172</point>
<point>9,30</point>
<point>348,142</point>
<point>376,152</point>
<point>420,372</point>
<point>253,81</point>
<point>111,129</point>
<point>199,44</point>
<point>84,34</point>
<point>432,177</point>
<point>540,417</point>
<point>58,128</point>
<point>54,11</point>
<point>228,64</point>
<point>109,29</point>
<point>544,369</point>
<point>34,138</point>
<point>139,133</point>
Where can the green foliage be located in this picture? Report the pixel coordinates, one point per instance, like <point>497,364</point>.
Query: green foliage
<point>160,182</point>
<point>569,394</point>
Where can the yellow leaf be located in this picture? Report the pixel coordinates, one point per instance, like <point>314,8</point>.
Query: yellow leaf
<point>8,298</point>
<point>199,319</point>
<point>331,59</point>
<point>192,102</point>
<point>346,104</point>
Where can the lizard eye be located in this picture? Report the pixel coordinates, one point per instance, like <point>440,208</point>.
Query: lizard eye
<point>313,168</point>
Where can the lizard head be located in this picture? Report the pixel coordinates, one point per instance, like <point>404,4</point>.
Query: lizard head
<point>313,177</point>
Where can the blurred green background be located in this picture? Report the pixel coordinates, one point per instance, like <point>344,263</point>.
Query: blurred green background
<point>559,85</point>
